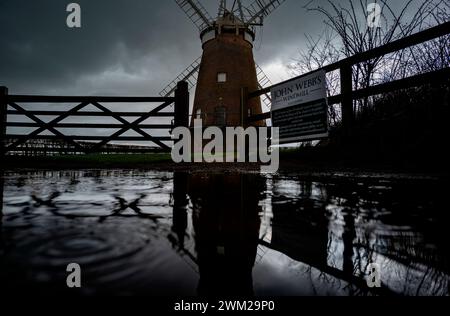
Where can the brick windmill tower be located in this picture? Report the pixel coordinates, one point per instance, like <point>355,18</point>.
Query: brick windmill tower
<point>227,66</point>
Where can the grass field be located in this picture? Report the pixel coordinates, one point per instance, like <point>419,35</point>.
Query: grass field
<point>94,160</point>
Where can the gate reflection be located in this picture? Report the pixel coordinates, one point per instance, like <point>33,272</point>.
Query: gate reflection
<point>233,234</point>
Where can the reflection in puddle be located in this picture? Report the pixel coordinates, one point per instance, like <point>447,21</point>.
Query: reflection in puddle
<point>160,233</point>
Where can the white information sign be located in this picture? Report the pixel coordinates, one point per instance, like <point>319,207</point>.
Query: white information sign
<point>300,109</point>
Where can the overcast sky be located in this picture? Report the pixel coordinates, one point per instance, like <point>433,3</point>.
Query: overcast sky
<point>125,47</point>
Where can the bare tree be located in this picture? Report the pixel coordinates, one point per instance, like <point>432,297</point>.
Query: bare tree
<point>347,34</point>
<point>320,52</point>
<point>432,55</point>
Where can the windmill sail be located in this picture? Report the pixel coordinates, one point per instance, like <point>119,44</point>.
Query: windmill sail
<point>240,10</point>
<point>189,75</point>
<point>236,9</point>
<point>196,13</point>
<point>264,82</point>
<point>222,8</point>
<point>261,9</point>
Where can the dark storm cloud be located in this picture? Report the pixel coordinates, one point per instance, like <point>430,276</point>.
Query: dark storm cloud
<point>128,47</point>
<point>131,47</point>
<point>39,52</point>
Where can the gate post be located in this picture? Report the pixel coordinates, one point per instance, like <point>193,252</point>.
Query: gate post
<point>182,105</point>
<point>347,99</point>
<point>3,117</point>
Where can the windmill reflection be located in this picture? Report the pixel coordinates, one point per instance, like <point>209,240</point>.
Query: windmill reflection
<point>335,229</point>
<point>226,226</point>
<point>289,235</point>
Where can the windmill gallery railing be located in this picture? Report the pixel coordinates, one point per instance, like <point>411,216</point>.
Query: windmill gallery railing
<point>345,66</point>
<point>91,143</point>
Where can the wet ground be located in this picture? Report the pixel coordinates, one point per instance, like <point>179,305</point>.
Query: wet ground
<point>207,233</point>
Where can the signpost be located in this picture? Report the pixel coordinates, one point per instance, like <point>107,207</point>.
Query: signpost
<point>300,108</point>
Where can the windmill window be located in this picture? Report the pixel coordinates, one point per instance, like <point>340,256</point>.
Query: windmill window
<point>220,116</point>
<point>198,114</point>
<point>221,77</point>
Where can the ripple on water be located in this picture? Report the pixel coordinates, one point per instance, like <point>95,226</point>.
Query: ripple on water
<point>57,240</point>
<point>116,226</point>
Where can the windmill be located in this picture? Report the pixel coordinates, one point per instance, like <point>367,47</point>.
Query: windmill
<point>227,64</point>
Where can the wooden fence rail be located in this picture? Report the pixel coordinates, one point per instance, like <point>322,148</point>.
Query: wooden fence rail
<point>180,102</point>
<point>345,67</point>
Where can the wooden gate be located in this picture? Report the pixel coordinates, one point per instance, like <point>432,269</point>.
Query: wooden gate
<point>91,143</point>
